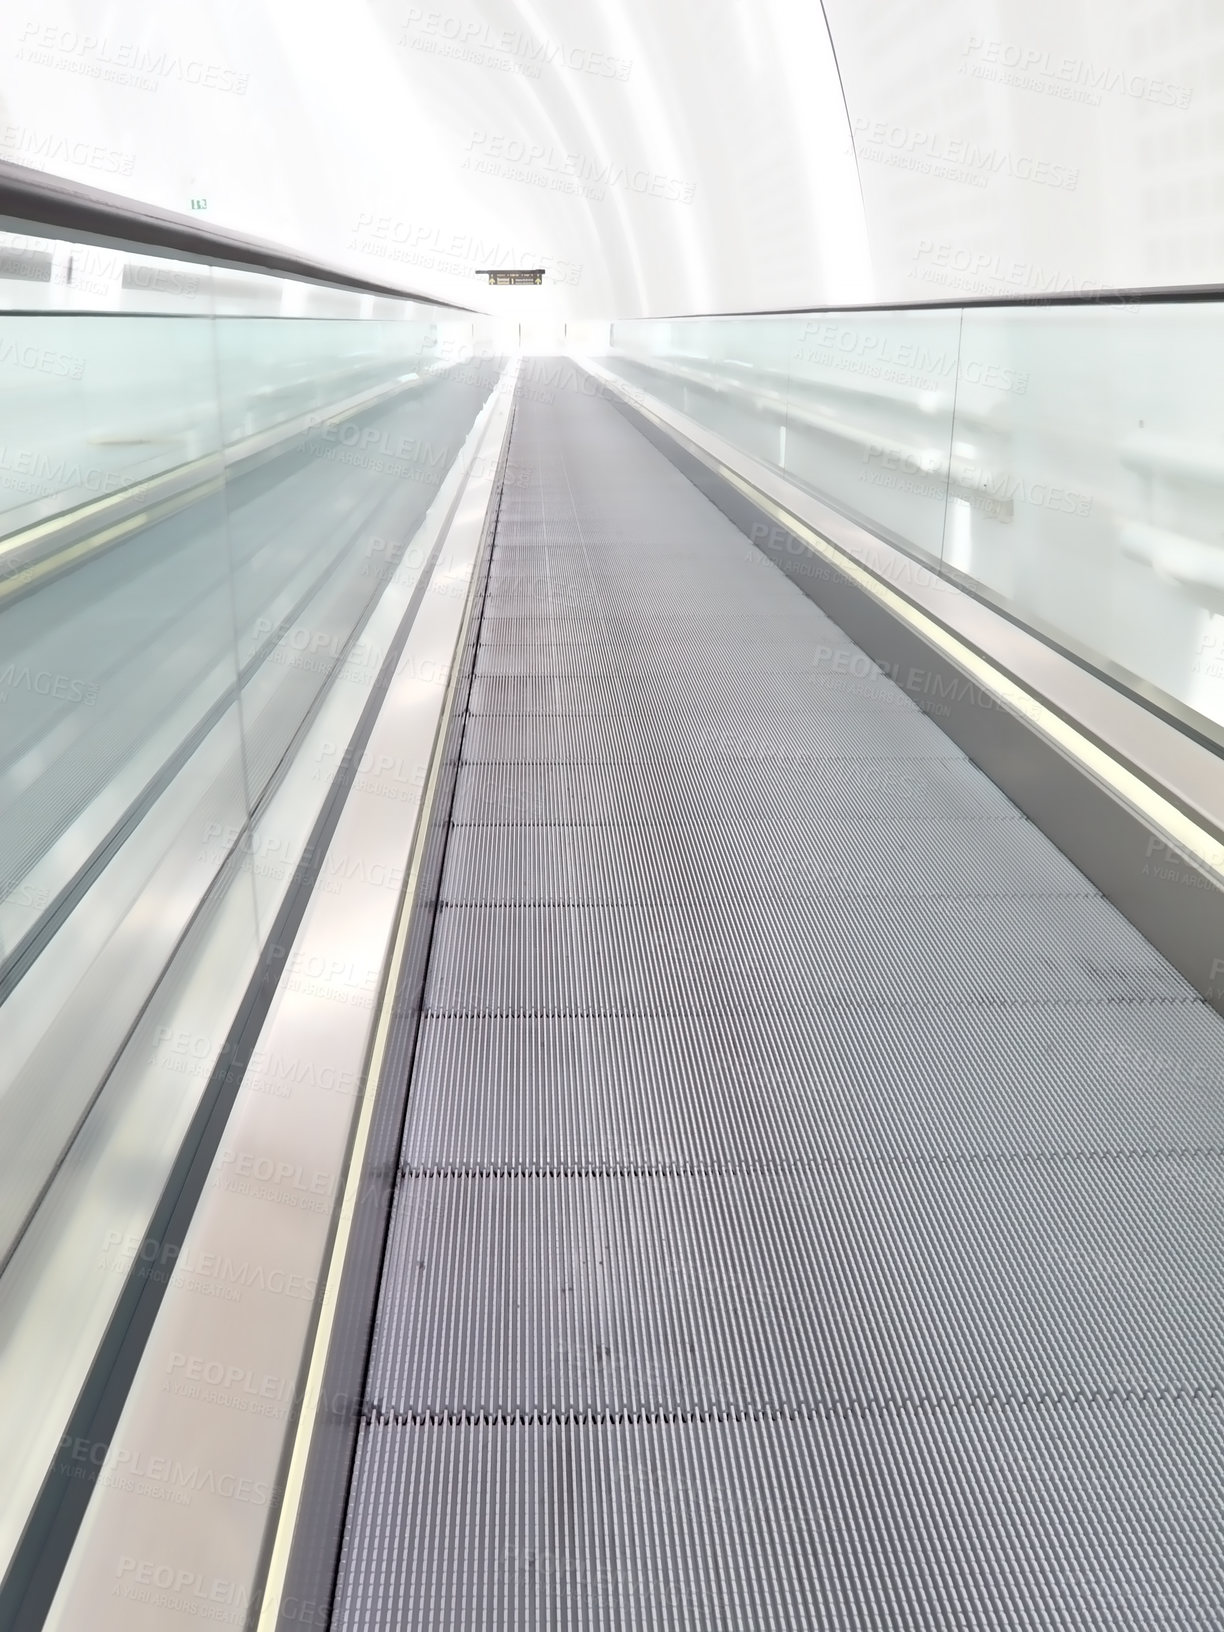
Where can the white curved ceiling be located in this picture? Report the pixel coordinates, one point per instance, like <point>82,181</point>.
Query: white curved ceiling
<point>655,155</point>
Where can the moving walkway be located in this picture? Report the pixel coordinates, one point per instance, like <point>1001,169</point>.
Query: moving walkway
<point>689,1089</point>
<point>782,1235</point>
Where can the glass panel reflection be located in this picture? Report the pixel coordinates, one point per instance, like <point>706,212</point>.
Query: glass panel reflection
<point>1064,462</point>
<point>200,511</point>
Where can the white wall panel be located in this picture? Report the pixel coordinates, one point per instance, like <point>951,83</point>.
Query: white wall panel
<point>1019,146</point>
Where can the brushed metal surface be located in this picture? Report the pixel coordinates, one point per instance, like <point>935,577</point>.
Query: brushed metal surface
<point>193,1474</point>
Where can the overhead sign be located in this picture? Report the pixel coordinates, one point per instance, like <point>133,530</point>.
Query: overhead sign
<point>512,275</point>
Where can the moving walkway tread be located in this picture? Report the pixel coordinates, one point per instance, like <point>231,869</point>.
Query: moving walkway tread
<point>810,1209</point>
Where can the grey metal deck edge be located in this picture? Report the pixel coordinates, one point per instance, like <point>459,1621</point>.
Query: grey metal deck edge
<point>1177,907</point>
<point>314,1559</point>
<point>28,1588</point>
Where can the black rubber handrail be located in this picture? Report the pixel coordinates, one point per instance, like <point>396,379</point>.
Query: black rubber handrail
<point>1180,294</point>
<point>53,207</point>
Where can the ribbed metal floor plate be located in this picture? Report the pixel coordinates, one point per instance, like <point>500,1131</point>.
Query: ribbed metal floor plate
<point>730,789</point>
<point>703,956</point>
<point>534,739</point>
<point>922,1085</point>
<point>811,1205</point>
<point>1088,1516</point>
<point>732,1285</point>
<point>579,865</point>
<point>757,698</point>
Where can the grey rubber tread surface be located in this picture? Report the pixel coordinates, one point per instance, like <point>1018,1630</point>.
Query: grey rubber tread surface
<point>811,1203</point>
